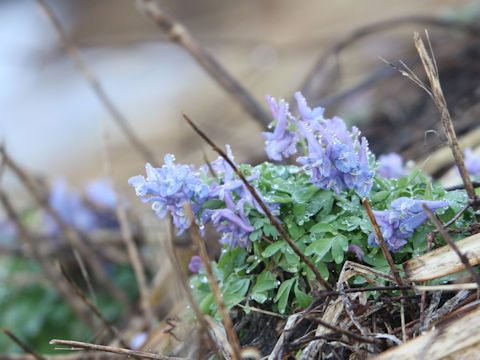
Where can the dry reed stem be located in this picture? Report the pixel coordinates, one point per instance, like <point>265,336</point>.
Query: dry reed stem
<point>439,99</point>
<point>95,85</point>
<point>179,34</point>
<point>212,281</point>
<point>442,261</point>
<point>111,349</point>
<point>264,207</point>
<point>50,272</point>
<point>24,346</point>
<point>383,245</point>
<point>452,244</point>
<point>114,332</point>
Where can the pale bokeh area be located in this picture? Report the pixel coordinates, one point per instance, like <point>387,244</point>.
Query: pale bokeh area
<point>52,122</point>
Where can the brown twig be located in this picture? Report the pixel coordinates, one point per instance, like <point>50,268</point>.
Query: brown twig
<point>76,238</point>
<point>114,332</point>
<point>24,346</point>
<point>264,207</point>
<point>383,245</point>
<point>475,184</point>
<point>50,271</point>
<point>452,244</point>
<point>180,272</point>
<point>439,99</point>
<point>112,349</point>
<point>95,85</point>
<point>179,34</point>
<point>212,281</point>
<point>347,333</point>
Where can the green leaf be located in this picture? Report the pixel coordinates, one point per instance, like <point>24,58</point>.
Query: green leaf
<point>339,247</point>
<point>380,196</point>
<point>274,248</point>
<point>206,303</point>
<point>283,293</point>
<point>265,281</point>
<point>299,211</point>
<point>413,175</point>
<point>323,228</point>
<point>303,195</point>
<point>255,235</point>
<point>213,204</point>
<point>303,299</point>
<point>319,247</point>
<point>270,230</point>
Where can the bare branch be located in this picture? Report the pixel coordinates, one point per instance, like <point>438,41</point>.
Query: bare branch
<point>24,346</point>
<point>111,349</point>
<point>179,34</point>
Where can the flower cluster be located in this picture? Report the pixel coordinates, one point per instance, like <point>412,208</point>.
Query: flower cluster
<point>95,211</point>
<point>173,185</point>
<point>337,158</point>
<point>391,166</point>
<point>169,188</point>
<point>400,223</point>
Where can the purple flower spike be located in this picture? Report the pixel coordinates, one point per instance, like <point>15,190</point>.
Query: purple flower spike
<point>391,166</point>
<point>195,264</point>
<point>282,142</point>
<point>337,158</point>
<point>401,222</point>
<point>307,114</point>
<point>169,188</point>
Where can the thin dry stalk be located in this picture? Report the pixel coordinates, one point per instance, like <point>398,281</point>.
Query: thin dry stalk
<point>76,239</point>
<point>264,207</point>
<point>312,76</point>
<point>347,333</point>
<point>212,281</point>
<point>383,245</point>
<point>95,85</point>
<point>49,271</point>
<point>452,244</point>
<point>114,332</point>
<point>133,253</point>
<point>111,349</point>
<point>439,99</point>
<point>185,285</point>
<point>179,34</point>
<point>24,346</point>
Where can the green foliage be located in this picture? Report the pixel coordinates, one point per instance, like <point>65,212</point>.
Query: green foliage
<point>322,225</point>
<point>36,313</point>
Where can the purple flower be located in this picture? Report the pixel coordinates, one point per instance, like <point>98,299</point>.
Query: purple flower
<point>169,188</point>
<point>231,222</point>
<point>281,142</point>
<point>391,166</point>
<point>307,114</point>
<point>400,223</point>
<point>472,163</point>
<point>195,264</point>
<point>336,157</point>
<point>357,250</point>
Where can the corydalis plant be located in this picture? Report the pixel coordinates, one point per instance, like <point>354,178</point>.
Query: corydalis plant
<point>318,202</point>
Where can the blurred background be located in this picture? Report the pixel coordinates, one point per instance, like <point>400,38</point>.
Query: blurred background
<point>53,125</point>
